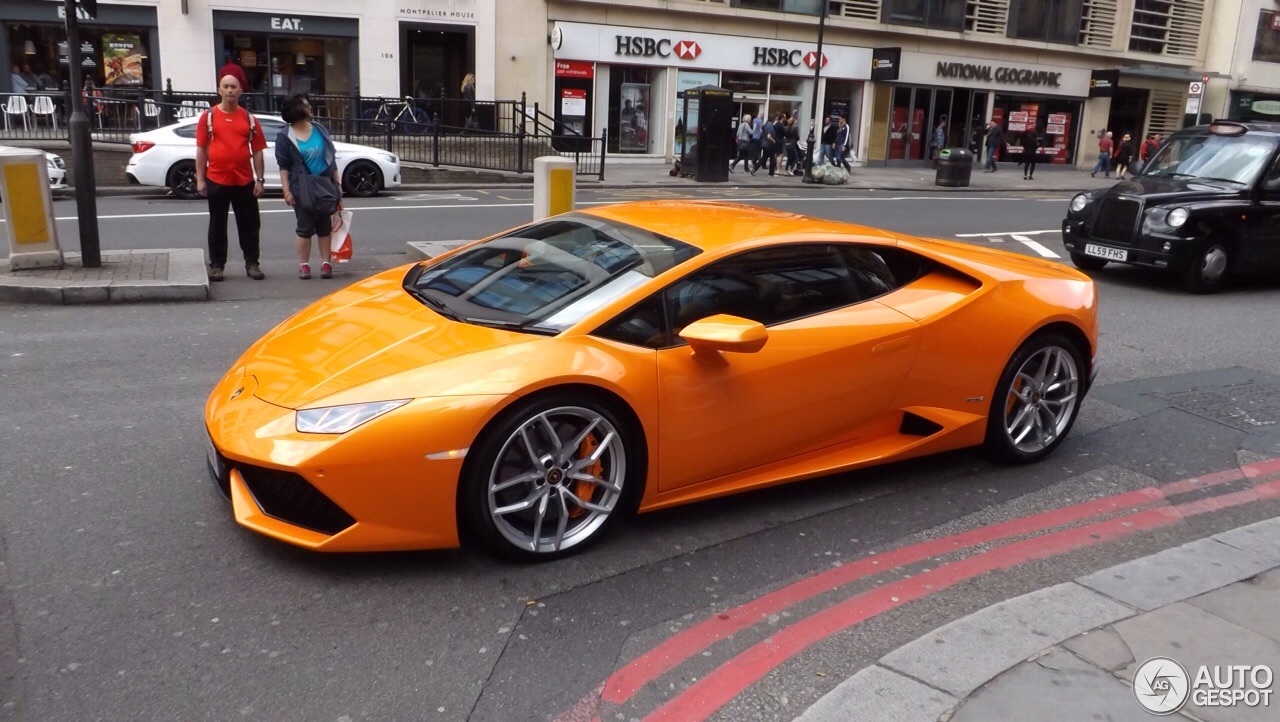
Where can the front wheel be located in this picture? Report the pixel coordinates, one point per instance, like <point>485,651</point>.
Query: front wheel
<point>1036,399</point>
<point>362,179</point>
<point>1088,263</point>
<point>182,180</point>
<point>1207,272</point>
<point>550,477</point>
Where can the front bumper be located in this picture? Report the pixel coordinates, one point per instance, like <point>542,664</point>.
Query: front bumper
<point>371,489</point>
<point>1147,251</point>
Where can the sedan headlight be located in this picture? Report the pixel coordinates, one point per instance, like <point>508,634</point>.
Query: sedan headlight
<point>341,419</point>
<point>1177,217</point>
<point>1079,202</point>
<point>388,157</point>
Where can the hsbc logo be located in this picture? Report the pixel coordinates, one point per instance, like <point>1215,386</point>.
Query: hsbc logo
<point>811,59</point>
<point>688,50</point>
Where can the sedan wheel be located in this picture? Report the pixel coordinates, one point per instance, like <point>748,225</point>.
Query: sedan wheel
<point>549,479</point>
<point>1036,400</point>
<point>182,180</point>
<point>1208,270</point>
<point>363,179</point>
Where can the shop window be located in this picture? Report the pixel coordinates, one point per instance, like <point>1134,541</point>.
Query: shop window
<point>941,14</point>
<point>1054,121</point>
<point>113,58</point>
<point>629,108</point>
<point>1266,43</point>
<point>1054,21</point>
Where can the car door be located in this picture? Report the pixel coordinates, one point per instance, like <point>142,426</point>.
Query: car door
<point>1261,248</point>
<point>833,362</point>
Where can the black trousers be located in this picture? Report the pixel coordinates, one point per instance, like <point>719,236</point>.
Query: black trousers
<point>248,223</point>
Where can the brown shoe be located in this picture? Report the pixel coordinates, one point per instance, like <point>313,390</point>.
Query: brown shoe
<point>215,273</point>
<point>252,270</point>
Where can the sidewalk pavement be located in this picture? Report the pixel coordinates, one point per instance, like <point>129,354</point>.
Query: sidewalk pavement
<point>1069,653</point>
<point>179,274</point>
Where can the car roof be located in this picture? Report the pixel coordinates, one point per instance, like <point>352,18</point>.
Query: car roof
<point>1250,126</point>
<point>715,224</point>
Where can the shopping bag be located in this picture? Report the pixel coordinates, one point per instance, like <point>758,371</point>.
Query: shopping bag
<point>341,237</point>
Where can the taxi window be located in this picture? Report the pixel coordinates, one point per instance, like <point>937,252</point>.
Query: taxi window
<point>1236,159</point>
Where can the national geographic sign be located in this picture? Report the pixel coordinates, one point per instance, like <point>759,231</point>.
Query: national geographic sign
<point>1103,83</point>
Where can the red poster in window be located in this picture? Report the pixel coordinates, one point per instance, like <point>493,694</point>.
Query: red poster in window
<point>1275,21</point>
<point>917,129</point>
<point>574,69</point>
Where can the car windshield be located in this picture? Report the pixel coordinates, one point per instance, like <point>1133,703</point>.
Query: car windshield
<point>545,277</point>
<point>1238,159</point>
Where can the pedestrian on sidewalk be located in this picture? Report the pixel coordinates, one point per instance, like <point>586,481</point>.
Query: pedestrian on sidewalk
<point>995,142</point>
<point>757,140</point>
<point>744,145</point>
<point>1124,156</point>
<point>304,148</point>
<point>229,172</point>
<point>769,144</point>
<point>1105,146</point>
<point>843,135</point>
<point>829,142</point>
<point>791,136</point>
<point>1030,154</point>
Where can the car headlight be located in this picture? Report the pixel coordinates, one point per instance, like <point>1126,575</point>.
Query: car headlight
<point>1177,217</point>
<point>1079,202</point>
<point>388,157</point>
<point>341,419</point>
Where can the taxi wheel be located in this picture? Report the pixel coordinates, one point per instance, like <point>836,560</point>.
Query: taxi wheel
<point>1088,263</point>
<point>1036,400</point>
<point>1207,272</point>
<point>550,476</point>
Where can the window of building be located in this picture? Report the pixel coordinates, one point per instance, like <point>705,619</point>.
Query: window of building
<point>803,7</point>
<point>110,57</point>
<point>1167,27</point>
<point>1054,21</point>
<point>941,14</point>
<point>1266,43</point>
<point>629,108</point>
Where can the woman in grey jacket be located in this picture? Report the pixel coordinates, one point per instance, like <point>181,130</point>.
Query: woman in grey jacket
<point>305,148</point>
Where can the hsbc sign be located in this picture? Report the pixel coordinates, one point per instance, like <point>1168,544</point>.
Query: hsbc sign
<point>637,46</point>
<point>688,50</point>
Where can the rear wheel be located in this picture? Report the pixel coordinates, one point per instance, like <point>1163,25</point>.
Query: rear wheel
<point>182,180</point>
<point>550,477</point>
<point>1207,272</point>
<point>1036,399</point>
<point>362,179</point>
<point>1088,263</point>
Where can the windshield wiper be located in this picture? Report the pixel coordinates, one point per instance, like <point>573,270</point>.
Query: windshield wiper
<point>1221,180</point>
<point>525,326</point>
<point>436,304</point>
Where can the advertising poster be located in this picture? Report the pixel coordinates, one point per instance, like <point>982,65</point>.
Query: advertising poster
<point>633,118</point>
<point>122,59</point>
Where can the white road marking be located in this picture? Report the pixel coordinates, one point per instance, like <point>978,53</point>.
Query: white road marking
<point>1033,245</point>
<point>1008,233</point>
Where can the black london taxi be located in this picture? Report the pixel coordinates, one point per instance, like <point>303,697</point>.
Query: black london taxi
<point>1205,207</point>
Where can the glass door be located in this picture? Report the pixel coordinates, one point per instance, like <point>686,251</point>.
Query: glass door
<point>898,126</point>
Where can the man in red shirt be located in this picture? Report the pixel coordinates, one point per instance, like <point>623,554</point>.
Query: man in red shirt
<point>229,171</point>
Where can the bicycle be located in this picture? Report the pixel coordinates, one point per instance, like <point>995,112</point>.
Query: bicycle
<point>410,119</point>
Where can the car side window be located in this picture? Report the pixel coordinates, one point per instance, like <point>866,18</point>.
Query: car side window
<point>877,271</point>
<point>1272,181</point>
<point>185,131</point>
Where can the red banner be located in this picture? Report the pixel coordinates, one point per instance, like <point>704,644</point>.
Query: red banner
<point>574,69</point>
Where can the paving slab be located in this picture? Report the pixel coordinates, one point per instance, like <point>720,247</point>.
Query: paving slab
<point>967,653</point>
<point>1250,604</point>
<point>876,693</point>
<point>1262,538</point>
<point>1058,687</point>
<point>165,274</point>
<point>1195,637</point>
<point>1176,574</point>
<point>1103,647</point>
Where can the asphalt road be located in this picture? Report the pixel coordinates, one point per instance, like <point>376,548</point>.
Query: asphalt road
<point>126,591</point>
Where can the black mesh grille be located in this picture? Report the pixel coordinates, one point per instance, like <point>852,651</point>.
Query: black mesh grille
<point>289,498</point>
<point>1117,220</point>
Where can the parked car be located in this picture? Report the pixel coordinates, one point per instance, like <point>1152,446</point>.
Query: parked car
<point>525,390</point>
<point>57,170</point>
<point>1205,207</point>
<point>166,157</point>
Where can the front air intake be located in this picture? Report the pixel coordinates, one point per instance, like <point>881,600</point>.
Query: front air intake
<point>292,499</point>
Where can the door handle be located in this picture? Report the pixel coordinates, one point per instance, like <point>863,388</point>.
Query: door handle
<point>896,344</point>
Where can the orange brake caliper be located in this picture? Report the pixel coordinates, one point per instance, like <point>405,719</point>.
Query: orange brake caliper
<point>585,489</point>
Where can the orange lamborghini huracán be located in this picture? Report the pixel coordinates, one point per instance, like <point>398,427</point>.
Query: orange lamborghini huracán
<point>526,390</point>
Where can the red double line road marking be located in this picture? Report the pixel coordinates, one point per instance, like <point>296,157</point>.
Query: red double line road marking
<point>715,690</point>
<point>624,683</point>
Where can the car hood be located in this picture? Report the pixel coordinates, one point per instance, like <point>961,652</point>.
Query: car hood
<point>1160,189</point>
<point>350,148</point>
<point>365,332</point>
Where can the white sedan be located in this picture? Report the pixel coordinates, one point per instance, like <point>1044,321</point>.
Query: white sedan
<point>57,170</point>
<point>167,157</point>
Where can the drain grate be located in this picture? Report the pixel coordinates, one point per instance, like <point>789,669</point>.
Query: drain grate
<point>1247,407</point>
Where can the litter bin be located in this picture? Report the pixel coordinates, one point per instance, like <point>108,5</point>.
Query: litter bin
<point>955,167</point>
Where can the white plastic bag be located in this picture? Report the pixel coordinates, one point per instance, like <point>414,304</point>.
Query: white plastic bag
<point>340,241</point>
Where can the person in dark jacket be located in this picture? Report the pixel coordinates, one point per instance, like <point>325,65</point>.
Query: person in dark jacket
<point>995,142</point>
<point>829,142</point>
<point>304,148</point>
<point>1124,155</point>
<point>1030,154</point>
<point>743,141</point>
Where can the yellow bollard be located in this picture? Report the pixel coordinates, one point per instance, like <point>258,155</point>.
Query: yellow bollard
<point>554,186</point>
<point>28,209</point>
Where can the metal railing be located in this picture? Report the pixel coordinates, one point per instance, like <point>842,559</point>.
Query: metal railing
<point>503,135</point>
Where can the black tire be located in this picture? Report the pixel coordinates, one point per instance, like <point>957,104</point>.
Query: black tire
<point>182,180</point>
<point>363,178</point>
<point>999,443</point>
<point>1207,272</point>
<point>497,454</point>
<point>1088,263</point>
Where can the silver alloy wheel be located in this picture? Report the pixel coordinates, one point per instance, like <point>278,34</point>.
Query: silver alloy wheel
<point>1041,399</point>
<point>557,479</point>
<point>1213,264</point>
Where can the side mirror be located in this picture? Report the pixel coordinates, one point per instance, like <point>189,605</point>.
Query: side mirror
<point>723,332</point>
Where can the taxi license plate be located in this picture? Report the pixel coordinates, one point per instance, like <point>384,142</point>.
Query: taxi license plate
<point>1111,254</point>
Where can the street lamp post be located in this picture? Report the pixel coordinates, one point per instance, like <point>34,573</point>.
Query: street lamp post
<point>817,73</point>
<point>81,149</point>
